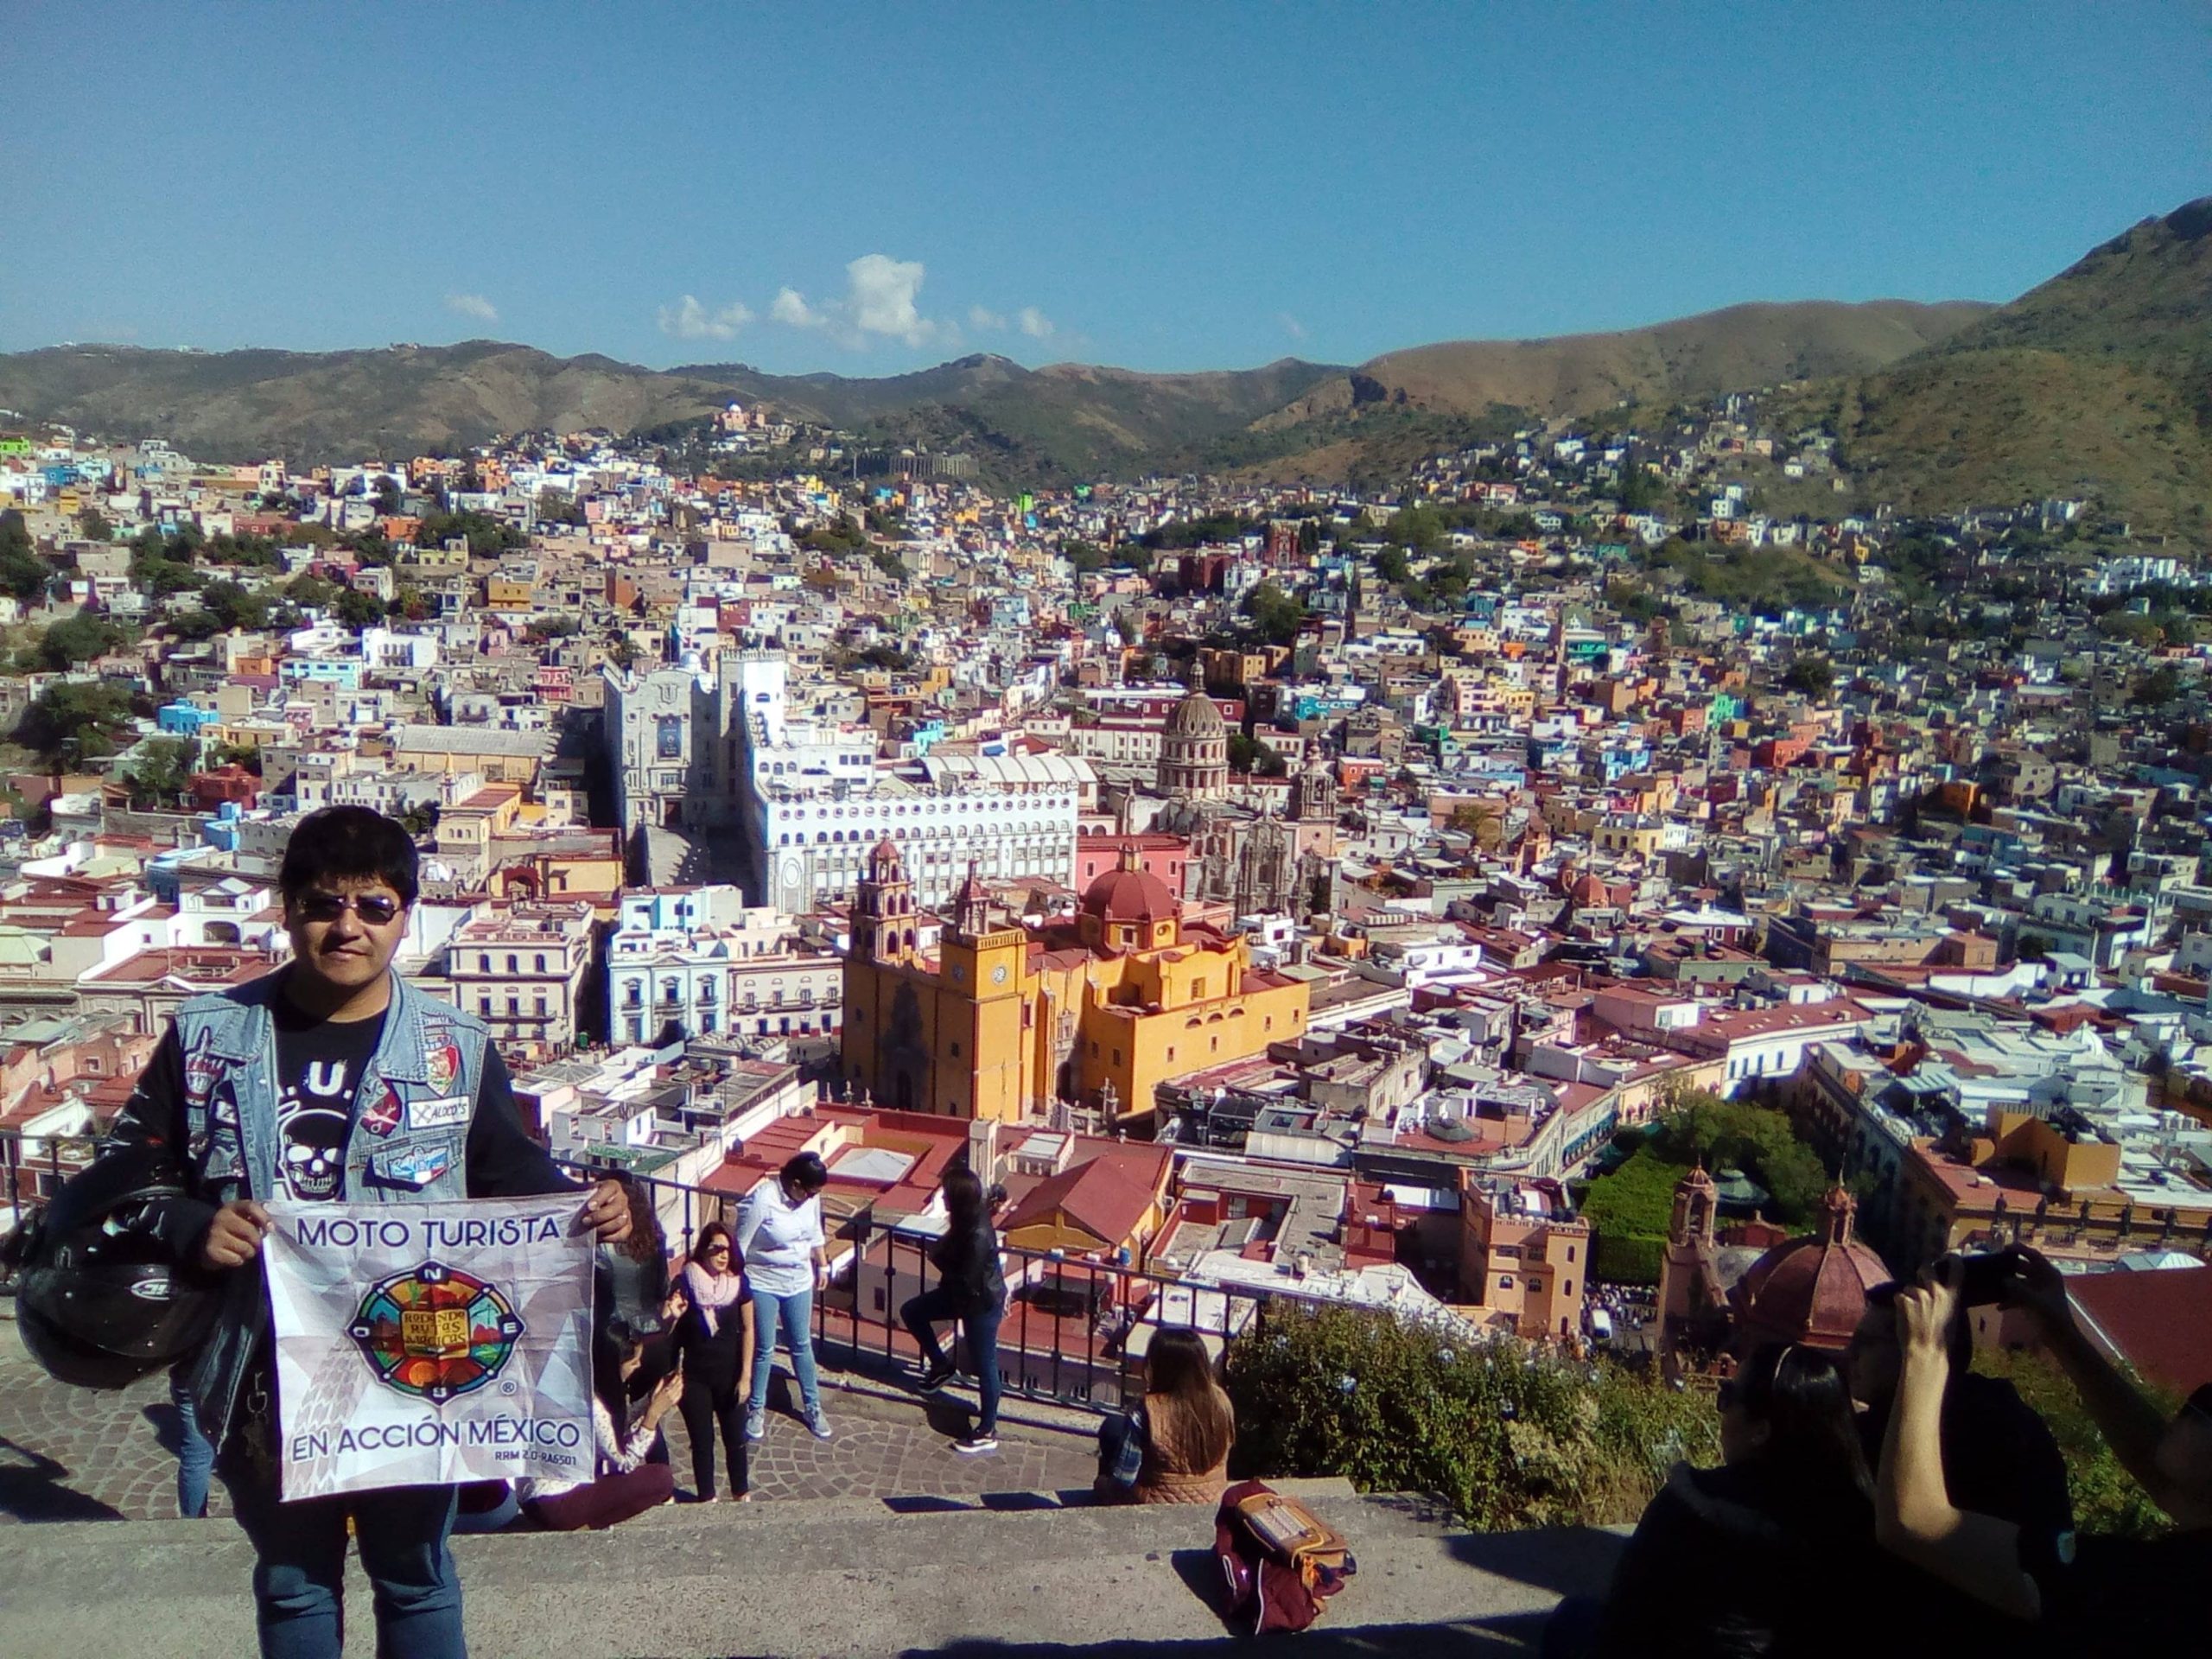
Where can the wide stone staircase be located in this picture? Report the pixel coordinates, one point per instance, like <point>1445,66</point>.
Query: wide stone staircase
<point>1003,1574</point>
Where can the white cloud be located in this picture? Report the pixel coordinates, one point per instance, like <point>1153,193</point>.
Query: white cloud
<point>791,309</point>
<point>986,321</point>
<point>879,303</point>
<point>689,320</point>
<point>473,305</point>
<point>1035,323</point>
<point>883,290</point>
<point>1291,325</point>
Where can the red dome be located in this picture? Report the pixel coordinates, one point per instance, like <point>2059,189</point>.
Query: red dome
<point>1129,896</point>
<point>1813,1289</point>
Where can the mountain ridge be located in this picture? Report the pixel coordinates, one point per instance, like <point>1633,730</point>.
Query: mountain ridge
<point>2097,381</point>
<point>256,401</point>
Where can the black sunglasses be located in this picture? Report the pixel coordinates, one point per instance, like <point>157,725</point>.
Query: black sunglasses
<point>372,907</point>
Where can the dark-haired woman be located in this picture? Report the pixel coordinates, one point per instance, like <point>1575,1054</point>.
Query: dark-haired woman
<point>623,1484</point>
<point>971,1288</point>
<point>634,1294</point>
<point>1174,1447</point>
<point>779,1236</point>
<point>1772,1553</point>
<point>715,1338</point>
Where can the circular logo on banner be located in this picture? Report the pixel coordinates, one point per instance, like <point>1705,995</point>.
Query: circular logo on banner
<point>435,1332</point>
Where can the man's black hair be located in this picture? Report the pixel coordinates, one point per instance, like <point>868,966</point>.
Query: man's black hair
<point>342,841</point>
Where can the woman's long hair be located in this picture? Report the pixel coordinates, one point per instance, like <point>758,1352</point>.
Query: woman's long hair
<point>964,1201</point>
<point>1185,1408</point>
<point>1802,1397</point>
<point>646,1241</point>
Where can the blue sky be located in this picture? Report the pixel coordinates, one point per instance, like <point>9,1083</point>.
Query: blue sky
<point>869,189</point>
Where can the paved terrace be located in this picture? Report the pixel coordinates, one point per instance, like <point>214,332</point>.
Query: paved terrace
<point>68,1455</point>
<point>880,1542</point>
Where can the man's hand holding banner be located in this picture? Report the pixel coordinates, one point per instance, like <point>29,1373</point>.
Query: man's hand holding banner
<point>431,1343</point>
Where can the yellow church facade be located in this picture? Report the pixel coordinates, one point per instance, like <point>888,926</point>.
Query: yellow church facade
<point>1007,1018</point>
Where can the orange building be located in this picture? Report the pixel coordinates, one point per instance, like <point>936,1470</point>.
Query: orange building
<point>1519,1265</point>
<point>1007,1019</point>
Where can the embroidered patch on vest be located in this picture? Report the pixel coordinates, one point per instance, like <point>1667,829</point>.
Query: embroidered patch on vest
<point>201,1068</point>
<point>384,1116</point>
<point>440,1114</point>
<point>417,1168</point>
<point>442,1065</point>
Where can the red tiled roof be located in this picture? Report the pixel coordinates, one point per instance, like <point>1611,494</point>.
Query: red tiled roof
<point>2160,1320</point>
<point>1102,1197</point>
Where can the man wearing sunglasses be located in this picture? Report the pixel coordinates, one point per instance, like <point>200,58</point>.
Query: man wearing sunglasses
<point>331,1078</point>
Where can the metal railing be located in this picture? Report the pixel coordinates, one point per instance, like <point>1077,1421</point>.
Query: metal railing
<point>1072,1333</point>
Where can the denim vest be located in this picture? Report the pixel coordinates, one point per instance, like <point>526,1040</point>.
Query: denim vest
<point>406,1141</point>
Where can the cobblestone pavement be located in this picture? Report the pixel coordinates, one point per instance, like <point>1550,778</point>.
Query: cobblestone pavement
<point>69,1454</point>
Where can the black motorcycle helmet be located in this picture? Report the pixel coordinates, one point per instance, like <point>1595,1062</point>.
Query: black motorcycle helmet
<point>99,1300</point>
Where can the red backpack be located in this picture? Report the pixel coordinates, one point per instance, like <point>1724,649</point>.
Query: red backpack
<point>1280,1561</point>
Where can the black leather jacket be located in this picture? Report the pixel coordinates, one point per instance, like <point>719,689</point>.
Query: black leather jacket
<point>968,1265</point>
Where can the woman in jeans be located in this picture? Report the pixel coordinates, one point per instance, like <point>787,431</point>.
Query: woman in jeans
<point>969,1288</point>
<point>780,1238</point>
<point>715,1340</point>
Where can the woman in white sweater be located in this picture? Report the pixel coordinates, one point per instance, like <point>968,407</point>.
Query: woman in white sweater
<point>623,1484</point>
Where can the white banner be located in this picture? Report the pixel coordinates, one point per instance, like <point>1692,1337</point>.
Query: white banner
<point>423,1344</point>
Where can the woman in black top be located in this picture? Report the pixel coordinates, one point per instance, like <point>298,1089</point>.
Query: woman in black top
<point>715,1338</point>
<point>971,1288</point>
<point>1747,1560</point>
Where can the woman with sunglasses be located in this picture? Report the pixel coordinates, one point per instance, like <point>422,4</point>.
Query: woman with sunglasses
<point>715,1338</point>
<point>1748,1558</point>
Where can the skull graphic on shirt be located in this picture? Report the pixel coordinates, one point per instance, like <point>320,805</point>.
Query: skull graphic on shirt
<point>315,1150</point>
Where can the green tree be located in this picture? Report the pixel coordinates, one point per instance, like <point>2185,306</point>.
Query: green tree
<point>357,609</point>
<point>1276,615</point>
<point>92,525</point>
<point>1628,1210</point>
<point>22,572</point>
<point>156,574</point>
<point>311,591</point>
<point>889,562</point>
<point>1126,625</point>
<point>1083,556</point>
<point>1250,755</point>
<point>1511,1435</point>
<point>235,754</point>
<point>235,606</point>
<point>79,639</point>
<point>1418,527</point>
<point>160,773</point>
<point>1814,676</point>
<point>2160,686</point>
<point>1700,1126</point>
<point>75,721</point>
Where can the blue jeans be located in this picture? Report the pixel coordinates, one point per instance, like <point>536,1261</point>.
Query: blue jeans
<point>795,1316</point>
<point>299,1570</point>
<point>195,1457</point>
<point>979,1325</point>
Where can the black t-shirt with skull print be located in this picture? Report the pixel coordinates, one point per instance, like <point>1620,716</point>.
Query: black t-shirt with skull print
<point>319,1067</point>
